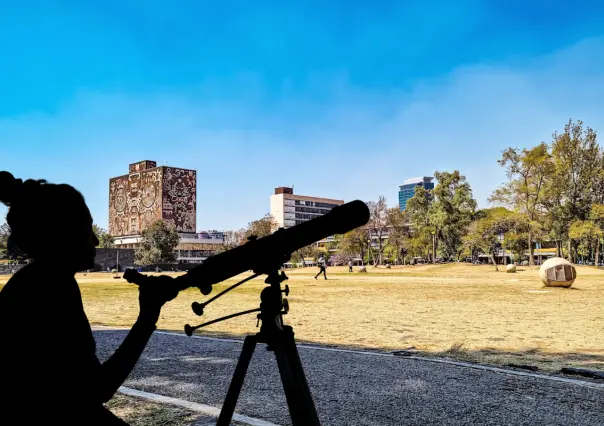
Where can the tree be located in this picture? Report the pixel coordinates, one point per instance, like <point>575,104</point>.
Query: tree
<point>484,235</point>
<point>398,232</point>
<point>480,239</point>
<point>304,252</point>
<point>261,227</point>
<point>587,233</point>
<point>597,217</point>
<point>354,243</point>
<point>527,172</point>
<point>451,211</point>
<point>4,234</point>
<point>158,243</point>
<point>105,240</point>
<point>441,217</point>
<point>232,239</point>
<point>577,165</point>
<point>378,225</point>
<point>516,229</point>
<point>423,230</point>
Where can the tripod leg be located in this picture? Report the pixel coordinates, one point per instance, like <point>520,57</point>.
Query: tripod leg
<point>228,408</point>
<point>299,400</point>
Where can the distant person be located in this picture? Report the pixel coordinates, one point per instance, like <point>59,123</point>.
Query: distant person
<point>350,266</point>
<point>49,372</point>
<point>322,266</point>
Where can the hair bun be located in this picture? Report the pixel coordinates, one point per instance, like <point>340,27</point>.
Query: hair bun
<point>9,188</point>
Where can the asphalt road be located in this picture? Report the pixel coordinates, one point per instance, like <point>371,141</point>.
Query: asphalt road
<point>358,389</point>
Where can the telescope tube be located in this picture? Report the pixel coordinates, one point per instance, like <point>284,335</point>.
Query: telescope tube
<point>270,251</point>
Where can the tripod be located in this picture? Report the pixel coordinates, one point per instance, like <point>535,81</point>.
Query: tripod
<point>279,339</point>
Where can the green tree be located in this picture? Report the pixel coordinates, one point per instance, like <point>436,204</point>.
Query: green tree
<point>261,227</point>
<point>596,215</point>
<point>105,240</point>
<point>398,233</point>
<point>577,161</point>
<point>527,171</point>
<point>586,233</point>
<point>419,244</point>
<point>422,228</point>
<point>441,217</point>
<point>158,243</point>
<point>516,233</point>
<point>451,211</point>
<point>485,234</point>
<point>354,243</point>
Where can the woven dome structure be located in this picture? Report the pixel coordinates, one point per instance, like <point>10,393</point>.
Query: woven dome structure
<point>557,272</point>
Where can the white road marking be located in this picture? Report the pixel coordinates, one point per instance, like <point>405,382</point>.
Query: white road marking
<point>576,382</point>
<point>193,406</point>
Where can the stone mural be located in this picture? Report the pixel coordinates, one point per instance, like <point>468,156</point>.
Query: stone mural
<point>141,165</point>
<point>142,197</point>
<point>179,198</point>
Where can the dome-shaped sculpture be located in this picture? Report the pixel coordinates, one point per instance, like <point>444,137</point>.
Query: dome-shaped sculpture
<point>510,269</point>
<point>557,272</point>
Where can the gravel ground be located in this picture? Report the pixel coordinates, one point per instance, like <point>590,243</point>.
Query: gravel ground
<point>357,389</point>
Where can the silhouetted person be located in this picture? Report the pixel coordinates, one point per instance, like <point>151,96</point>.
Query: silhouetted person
<point>49,372</point>
<point>322,265</point>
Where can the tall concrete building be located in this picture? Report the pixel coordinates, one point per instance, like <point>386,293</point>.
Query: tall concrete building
<point>407,189</point>
<point>289,209</point>
<point>149,193</point>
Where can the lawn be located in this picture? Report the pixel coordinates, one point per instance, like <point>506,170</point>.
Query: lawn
<point>456,310</point>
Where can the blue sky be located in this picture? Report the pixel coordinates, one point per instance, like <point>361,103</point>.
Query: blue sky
<point>342,99</point>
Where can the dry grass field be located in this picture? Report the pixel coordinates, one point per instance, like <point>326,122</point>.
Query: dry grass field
<point>456,310</point>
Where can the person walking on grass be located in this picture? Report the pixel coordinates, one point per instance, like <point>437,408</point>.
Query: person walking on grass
<point>49,371</point>
<point>322,265</point>
<point>350,266</point>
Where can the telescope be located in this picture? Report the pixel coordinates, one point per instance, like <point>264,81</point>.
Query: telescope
<point>265,256</point>
<point>259,254</point>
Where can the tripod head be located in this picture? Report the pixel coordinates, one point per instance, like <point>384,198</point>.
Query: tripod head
<point>272,306</point>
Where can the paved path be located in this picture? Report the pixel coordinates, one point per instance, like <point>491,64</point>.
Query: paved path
<point>358,389</point>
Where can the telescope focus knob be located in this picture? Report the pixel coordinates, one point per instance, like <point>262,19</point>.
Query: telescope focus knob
<point>197,308</point>
<point>188,330</point>
<point>286,291</point>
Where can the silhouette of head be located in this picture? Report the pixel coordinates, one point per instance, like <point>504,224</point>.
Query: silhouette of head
<point>48,222</point>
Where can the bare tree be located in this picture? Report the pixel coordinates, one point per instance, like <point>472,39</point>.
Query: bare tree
<point>4,234</point>
<point>378,225</point>
<point>232,239</point>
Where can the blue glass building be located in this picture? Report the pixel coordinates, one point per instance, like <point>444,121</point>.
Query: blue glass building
<point>407,189</point>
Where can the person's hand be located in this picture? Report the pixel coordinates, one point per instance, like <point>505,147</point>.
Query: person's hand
<point>154,292</point>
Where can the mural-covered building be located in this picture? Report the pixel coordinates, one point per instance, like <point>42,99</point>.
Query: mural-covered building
<point>149,193</point>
